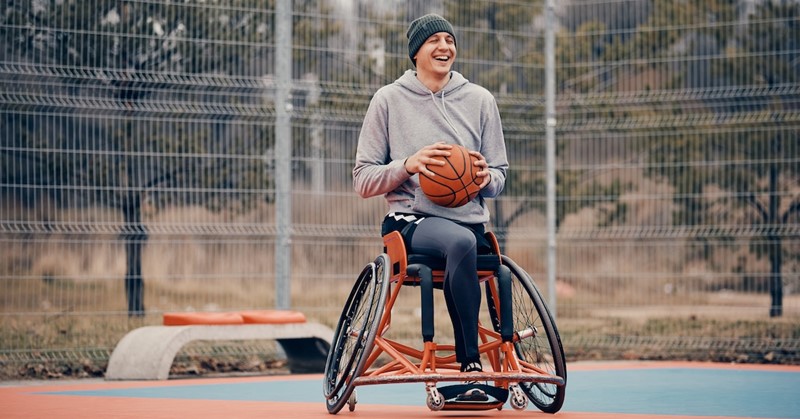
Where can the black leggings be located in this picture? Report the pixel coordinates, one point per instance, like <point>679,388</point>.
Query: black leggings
<point>457,244</point>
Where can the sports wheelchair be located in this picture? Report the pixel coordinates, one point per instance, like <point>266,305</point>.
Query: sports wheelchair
<point>521,343</point>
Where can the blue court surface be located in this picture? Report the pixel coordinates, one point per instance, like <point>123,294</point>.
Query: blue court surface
<point>657,389</point>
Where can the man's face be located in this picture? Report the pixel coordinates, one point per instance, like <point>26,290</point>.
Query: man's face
<point>437,54</point>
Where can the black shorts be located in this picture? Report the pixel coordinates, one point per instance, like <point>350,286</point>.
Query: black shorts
<point>406,223</point>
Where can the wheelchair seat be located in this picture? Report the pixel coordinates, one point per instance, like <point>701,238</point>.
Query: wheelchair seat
<point>485,262</point>
<point>394,246</point>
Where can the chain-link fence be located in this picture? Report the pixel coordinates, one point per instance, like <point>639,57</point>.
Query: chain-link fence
<point>139,153</point>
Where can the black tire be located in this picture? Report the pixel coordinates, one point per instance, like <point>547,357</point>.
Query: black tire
<point>354,336</point>
<point>543,349</point>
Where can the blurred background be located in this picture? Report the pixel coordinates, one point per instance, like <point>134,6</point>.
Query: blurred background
<point>197,155</point>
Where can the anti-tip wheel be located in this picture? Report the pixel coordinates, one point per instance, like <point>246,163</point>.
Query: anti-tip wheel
<point>518,399</point>
<point>435,401</point>
<point>351,401</point>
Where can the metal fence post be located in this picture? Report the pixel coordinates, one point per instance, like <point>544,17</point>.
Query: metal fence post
<point>283,153</point>
<point>550,127</point>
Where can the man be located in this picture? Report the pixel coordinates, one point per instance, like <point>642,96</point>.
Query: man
<point>408,123</point>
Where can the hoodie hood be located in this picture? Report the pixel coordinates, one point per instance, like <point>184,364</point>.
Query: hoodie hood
<point>412,84</point>
<point>410,81</point>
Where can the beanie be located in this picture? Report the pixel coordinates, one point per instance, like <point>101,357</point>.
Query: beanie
<point>422,28</point>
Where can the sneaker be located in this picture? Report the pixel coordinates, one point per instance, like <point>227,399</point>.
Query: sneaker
<point>474,366</point>
<point>473,394</point>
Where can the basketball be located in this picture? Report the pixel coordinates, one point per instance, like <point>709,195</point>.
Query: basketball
<point>456,182</point>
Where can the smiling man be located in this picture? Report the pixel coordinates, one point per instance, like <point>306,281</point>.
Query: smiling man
<point>408,123</point>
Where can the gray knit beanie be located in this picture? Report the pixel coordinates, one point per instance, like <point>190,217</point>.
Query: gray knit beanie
<point>422,28</point>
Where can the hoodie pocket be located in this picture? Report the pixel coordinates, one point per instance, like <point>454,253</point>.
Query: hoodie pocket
<point>470,212</point>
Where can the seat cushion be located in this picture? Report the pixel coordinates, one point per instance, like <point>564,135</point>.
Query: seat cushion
<point>201,318</point>
<point>485,262</point>
<point>272,316</point>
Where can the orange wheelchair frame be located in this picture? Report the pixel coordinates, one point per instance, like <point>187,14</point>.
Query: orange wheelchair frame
<point>522,346</point>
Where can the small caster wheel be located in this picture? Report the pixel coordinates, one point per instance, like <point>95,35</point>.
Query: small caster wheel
<point>518,399</point>
<point>351,401</point>
<point>435,401</point>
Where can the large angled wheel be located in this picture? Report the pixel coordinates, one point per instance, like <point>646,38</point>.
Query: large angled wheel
<point>354,336</point>
<point>539,343</point>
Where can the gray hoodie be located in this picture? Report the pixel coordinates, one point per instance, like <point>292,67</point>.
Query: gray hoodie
<point>405,116</point>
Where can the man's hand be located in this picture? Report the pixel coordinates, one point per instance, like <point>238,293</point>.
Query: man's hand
<point>417,162</point>
<point>483,166</point>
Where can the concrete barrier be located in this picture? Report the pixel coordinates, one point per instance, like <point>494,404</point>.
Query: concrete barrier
<point>147,353</point>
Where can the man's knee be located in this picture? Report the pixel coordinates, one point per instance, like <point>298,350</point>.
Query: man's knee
<point>463,242</point>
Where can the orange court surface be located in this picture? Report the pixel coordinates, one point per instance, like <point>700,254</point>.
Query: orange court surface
<point>603,390</point>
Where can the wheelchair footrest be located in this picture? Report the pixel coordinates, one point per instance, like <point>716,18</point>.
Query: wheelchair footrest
<point>496,397</point>
<point>472,405</point>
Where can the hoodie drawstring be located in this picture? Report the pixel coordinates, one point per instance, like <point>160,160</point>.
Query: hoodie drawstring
<point>443,111</point>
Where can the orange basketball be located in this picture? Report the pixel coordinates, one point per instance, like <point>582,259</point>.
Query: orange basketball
<point>455,183</point>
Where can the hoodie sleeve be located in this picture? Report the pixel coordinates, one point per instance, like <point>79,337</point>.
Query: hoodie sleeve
<point>374,173</point>
<point>493,148</point>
